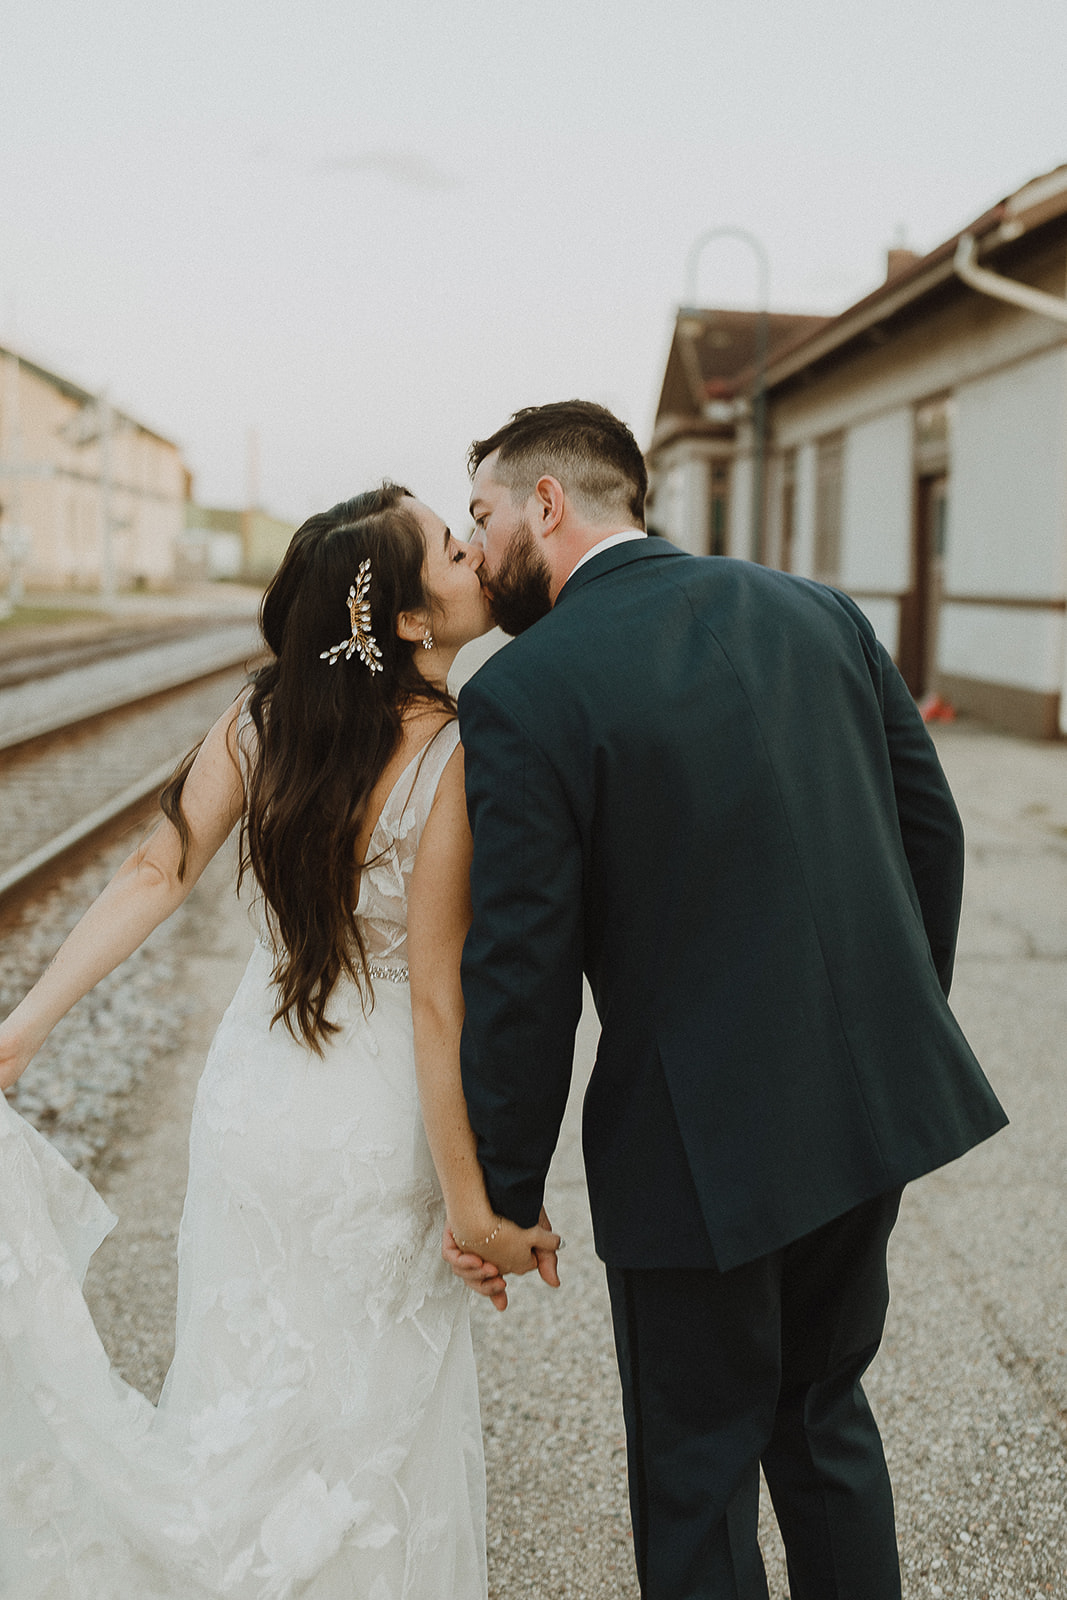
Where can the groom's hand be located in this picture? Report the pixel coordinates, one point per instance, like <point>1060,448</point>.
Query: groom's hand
<point>547,1264</point>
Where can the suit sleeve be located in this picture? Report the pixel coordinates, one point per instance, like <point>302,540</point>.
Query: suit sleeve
<point>522,961</point>
<point>930,824</point>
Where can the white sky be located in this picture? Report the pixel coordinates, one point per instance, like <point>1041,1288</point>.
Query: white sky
<point>371,231</point>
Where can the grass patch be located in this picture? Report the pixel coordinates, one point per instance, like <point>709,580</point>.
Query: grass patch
<point>42,616</point>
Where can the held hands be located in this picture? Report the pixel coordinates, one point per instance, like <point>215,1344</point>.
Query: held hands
<point>15,1055</point>
<point>512,1249</point>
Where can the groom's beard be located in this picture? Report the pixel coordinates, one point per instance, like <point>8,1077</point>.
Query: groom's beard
<point>519,594</point>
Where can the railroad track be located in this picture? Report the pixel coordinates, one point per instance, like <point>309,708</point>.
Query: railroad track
<point>86,754</point>
<point>89,686</point>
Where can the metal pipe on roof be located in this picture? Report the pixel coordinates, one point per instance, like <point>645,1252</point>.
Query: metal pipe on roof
<point>1000,288</point>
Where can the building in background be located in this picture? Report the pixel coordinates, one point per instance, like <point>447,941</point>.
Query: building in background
<point>264,540</point>
<point>705,397</point>
<point>210,547</point>
<point>219,542</point>
<point>914,455</point>
<point>91,498</point>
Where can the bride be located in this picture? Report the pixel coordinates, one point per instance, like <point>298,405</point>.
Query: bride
<point>318,1434</point>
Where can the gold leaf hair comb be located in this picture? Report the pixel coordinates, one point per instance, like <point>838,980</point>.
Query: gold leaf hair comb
<point>361,641</point>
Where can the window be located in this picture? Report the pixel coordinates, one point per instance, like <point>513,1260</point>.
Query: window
<point>933,428</point>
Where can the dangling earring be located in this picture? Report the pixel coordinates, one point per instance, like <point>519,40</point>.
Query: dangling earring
<point>427,639</point>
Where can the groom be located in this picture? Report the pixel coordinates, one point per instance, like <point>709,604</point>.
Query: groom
<point>704,784</point>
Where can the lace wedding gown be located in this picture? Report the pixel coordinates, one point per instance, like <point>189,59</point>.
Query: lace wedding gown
<point>318,1433</point>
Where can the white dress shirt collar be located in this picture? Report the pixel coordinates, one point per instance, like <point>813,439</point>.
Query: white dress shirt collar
<point>606,544</point>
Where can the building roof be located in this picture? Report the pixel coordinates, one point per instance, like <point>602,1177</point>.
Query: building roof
<point>713,359</point>
<point>81,397</point>
<point>1002,234</point>
<point>712,353</point>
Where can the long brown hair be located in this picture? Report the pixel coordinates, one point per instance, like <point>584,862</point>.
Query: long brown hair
<point>324,736</point>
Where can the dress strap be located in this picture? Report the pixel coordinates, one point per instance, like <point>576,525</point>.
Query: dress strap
<point>417,791</point>
<point>437,754</point>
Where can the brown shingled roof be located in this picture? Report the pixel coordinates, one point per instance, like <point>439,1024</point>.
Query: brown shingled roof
<point>713,349</point>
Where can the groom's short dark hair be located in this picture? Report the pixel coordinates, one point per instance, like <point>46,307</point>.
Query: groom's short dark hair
<point>594,456</point>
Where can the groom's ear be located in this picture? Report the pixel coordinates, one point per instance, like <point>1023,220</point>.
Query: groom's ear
<point>412,625</point>
<point>551,504</point>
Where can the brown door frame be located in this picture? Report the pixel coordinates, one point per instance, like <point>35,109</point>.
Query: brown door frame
<point>920,608</point>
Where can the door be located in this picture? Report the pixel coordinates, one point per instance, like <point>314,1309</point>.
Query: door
<point>920,608</point>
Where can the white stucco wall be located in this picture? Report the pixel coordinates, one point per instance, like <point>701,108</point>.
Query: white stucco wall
<point>668,506</point>
<point>697,493</point>
<point>1006,533</point>
<point>1007,507</point>
<point>681,508</point>
<point>740,534</point>
<point>876,504</point>
<point>884,618</point>
<point>1021,648</point>
<point>804,512</point>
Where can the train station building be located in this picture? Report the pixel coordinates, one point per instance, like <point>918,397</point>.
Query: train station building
<point>911,451</point>
<point>90,498</point>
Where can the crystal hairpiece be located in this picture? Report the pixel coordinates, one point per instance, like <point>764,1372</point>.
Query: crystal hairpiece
<point>361,640</point>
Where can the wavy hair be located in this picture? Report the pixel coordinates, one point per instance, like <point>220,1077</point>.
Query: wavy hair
<point>324,735</point>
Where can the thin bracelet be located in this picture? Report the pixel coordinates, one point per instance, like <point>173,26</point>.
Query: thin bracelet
<point>477,1249</point>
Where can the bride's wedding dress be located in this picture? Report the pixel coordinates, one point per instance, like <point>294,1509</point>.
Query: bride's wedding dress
<point>318,1432</point>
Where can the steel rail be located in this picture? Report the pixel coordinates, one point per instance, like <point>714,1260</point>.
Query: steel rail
<point>17,879</point>
<point>25,877</point>
<point>51,705</point>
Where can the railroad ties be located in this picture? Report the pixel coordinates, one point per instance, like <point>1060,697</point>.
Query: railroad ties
<point>83,748</point>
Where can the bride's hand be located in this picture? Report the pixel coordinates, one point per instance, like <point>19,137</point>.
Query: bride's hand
<point>505,1248</point>
<point>15,1056</point>
<point>518,1249</point>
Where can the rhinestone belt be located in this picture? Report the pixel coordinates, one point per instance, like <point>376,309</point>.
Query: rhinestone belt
<point>374,970</point>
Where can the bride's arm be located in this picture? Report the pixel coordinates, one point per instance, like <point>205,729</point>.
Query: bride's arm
<point>141,895</point>
<point>438,918</point>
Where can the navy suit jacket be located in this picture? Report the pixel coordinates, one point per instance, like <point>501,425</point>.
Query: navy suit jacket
<point>704,784</point>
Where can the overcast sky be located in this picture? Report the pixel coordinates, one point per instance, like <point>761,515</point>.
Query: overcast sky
<point>371,231</point>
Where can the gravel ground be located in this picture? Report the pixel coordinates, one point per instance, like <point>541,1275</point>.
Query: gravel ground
<point>85,1070</point>
<point>971,1383</point>
<point>49,786</point>
<point>76,1089</point>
